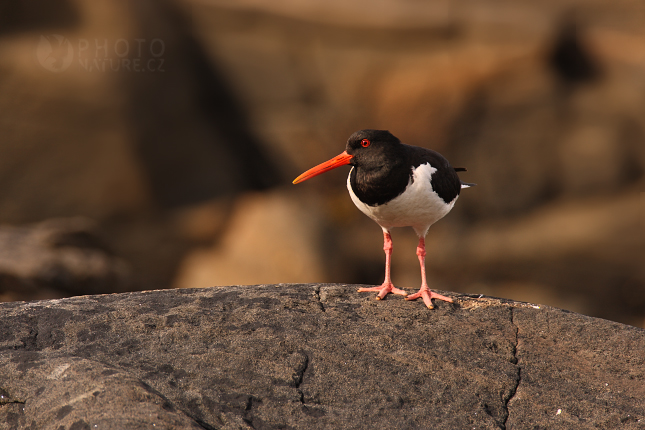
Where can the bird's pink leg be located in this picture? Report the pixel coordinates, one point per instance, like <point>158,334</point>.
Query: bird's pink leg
<point>424,292</point>
<point>387,286</point>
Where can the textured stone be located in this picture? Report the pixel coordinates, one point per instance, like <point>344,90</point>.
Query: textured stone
<point>313,356</point>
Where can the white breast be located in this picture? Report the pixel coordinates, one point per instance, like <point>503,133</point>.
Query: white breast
<point>418,207</point>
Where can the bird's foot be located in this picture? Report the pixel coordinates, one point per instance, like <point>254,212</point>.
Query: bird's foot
<point>384,290</point>
<point>427,296</point>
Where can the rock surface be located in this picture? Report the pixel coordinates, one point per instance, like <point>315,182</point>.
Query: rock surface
<point>313,356</point>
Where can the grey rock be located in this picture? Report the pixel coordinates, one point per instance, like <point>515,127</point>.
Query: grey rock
<point>61,256</point>
<point>313,356</point>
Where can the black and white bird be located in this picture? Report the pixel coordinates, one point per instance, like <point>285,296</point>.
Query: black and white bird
<point>397,185</point>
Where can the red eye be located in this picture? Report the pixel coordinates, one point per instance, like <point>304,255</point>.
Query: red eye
<point>365,143</point>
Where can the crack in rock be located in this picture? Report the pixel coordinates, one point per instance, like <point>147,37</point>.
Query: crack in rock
<point>6,399</point>
<point>317,295</point>
<point>168,405</point>
<point>248,418</point>
<point>513,391</point>
<point>299,375</point>
<point>249,423</point>
<point>300,370</point>
<point>203,424</point>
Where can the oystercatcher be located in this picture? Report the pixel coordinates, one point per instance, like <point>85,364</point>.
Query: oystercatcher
<point>397,185</point>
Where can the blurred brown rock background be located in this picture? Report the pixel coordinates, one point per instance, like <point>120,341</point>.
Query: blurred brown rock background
<point>151,144</point>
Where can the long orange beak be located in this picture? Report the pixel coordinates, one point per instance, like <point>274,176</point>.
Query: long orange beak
<point>337,161</point>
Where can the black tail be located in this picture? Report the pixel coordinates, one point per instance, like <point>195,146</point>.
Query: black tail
<point>463,184</point>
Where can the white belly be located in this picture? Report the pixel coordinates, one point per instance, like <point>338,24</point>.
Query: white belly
<point>418,207</point>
